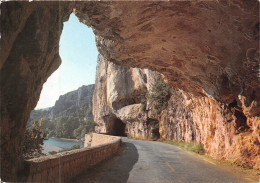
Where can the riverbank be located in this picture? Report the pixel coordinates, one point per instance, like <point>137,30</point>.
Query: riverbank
<point>74,140</point>
<point>48,148</point>
<point>59,144</point>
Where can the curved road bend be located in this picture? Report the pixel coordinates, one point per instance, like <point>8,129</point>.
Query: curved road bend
<point>154,162</point>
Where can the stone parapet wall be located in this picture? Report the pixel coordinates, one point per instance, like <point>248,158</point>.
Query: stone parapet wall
<point>62,167</point>
<point>98,139</point>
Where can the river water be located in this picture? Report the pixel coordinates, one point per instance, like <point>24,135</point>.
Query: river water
<point>56,144</point>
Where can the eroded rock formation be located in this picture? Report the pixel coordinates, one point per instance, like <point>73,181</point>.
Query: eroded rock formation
<point>209,50</point>
<point>30,34</point>
<point>206,48</point>
<point>117,100</point>
<point>224,130</point>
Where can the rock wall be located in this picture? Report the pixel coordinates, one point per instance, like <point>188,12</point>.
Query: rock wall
<point>224,130</point>
<point>30,34</point>
<point>117,99</point>
<point>205,48</point>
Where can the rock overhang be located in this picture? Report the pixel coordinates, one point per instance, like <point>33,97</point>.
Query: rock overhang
<point>205,48</point>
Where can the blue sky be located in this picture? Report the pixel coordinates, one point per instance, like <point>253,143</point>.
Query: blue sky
<point>78,53</point>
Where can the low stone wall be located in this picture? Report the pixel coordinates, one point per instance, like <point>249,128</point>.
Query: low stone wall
<point>98,139</point>
<point>62,167</point>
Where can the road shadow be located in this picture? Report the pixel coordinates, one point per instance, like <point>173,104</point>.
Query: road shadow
<point>116,169</point>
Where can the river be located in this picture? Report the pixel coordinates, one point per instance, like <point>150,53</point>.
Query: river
<point>56,144</point>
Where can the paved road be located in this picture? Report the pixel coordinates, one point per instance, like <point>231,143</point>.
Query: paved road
<point>154,162</point>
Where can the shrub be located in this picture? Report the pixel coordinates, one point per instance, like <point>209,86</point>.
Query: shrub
<point>159,95</point>
<point>143,99</point>
<point>194,147</point>
<point>190,146</point>
<point>33,141</point>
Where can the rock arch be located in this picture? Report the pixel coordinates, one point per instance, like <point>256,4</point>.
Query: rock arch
<point>194,44</point>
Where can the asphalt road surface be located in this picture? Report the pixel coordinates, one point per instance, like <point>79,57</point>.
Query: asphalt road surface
<point>154,162</point>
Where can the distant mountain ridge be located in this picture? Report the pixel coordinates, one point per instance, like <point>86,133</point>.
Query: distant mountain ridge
<point>70,117</point>
<point>69,104</point>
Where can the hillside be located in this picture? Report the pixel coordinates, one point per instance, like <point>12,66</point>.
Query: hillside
<point>70,117</point>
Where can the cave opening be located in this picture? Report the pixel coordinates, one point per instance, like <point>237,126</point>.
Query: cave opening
<point>78,53</point>
<point>65,106</point>
<point>154,124</point>
<point>117,127</point>
<point>241,119</point>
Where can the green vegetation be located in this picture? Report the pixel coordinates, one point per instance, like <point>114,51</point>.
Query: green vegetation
<point>53,152</point>
<point>190,146</point>
<point>159,95</point>
<point>68,127</point>
<point>34,137</point>
<point>143,99</point>
<point>68,122</point>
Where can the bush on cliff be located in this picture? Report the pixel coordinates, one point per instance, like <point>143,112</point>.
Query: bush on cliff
<point>159,95</point>
<point>143,99</point>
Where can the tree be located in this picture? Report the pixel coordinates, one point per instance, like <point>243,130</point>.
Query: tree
<point>159,95</point>
<point>33,141</point>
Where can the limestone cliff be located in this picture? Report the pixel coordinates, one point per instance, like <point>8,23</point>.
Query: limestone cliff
<point>72,104</point>
<point>70,117</point>
<point>207,49</point>
<point>224,130</point>
<point>117,100</point>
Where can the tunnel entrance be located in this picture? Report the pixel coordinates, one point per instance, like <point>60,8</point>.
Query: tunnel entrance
<point>154,126</point>
<point>117,127</point>
<point>155,133</point>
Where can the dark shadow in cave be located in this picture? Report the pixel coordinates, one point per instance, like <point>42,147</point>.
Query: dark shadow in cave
<point>154,125</point>
<point>117,127</point>
<point>241,119</point>
<point>156,133</point>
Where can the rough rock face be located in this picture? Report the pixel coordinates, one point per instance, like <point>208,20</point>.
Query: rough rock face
<point>225,131</point>
<point>205,48</point>
<point>117,100</point>
<point>208,49</point>
<point>72,104</point>
<point>30,34</point>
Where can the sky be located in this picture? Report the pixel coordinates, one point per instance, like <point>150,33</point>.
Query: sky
<point>78,53</point>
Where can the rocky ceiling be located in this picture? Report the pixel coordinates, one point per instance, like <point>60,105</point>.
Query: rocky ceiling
<point>204,47</point>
